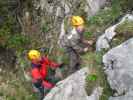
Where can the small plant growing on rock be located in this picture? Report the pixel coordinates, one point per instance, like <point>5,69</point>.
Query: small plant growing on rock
<point>96,77</point>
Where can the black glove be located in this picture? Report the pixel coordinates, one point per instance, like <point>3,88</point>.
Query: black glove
<point>61,65</point>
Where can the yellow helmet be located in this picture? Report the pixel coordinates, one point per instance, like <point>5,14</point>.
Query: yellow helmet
<point>77,20</point>
<point>34,54</point>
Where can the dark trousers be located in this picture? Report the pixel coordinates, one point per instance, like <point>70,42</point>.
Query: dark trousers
<point>40,89</point>
<point>50,78</point>
<point>74,60</point>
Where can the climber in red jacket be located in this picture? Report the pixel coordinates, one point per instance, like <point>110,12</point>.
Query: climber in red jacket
<point>39,71</point>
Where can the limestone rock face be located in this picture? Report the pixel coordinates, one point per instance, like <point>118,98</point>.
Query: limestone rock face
<point>44,20</point>
<point>128,96</point>
<point>73,88</point>
<point>104,40</point>
<point>93,6</point>
<point>119,69</point>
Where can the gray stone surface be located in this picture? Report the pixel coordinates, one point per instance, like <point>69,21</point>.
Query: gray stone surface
<point>93,6</point>
<point>128,96</point>
<point>73,88</point>
<point>119,68</point>
<point>103,41</point>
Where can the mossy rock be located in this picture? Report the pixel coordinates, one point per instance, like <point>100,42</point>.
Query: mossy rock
<point>126,4</point>
<point>125,29</point>
<point>117,41</point>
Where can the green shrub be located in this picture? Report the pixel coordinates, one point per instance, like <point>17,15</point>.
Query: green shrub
<point>126,5</point>
<point>96,77</point>
<point>88,34</point>
<point>45,28</point>
<point>9,39</point>
<point>17,41</point>
<point>104,18</point>
<point>125,28</point>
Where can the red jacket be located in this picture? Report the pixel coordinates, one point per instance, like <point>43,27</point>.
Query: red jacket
<point>39,71</point>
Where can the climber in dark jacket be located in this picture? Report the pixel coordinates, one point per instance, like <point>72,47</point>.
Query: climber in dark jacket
<point>39,72</point>
<point>73,42</point>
